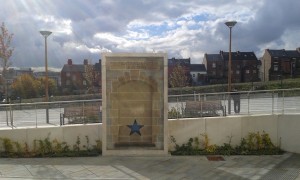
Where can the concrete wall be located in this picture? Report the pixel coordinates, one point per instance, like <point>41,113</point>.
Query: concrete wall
<point>66,134</point>
<point>284,130</point>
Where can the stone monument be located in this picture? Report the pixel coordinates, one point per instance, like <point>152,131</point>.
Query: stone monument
<point>135,105</point>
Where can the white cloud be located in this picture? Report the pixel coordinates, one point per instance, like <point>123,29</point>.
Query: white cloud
<point>181,28</point>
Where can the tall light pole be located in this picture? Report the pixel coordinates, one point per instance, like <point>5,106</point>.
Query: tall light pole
<point>46,34</point>
<point>230,24</point>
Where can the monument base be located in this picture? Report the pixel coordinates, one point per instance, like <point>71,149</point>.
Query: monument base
<point>133,144</point>
<point>135,152</point>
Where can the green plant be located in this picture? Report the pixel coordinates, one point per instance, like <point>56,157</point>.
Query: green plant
<point>65,147</point>
<point>205,142</point>
<point>47,148</point>
<point>174,113</point>
<point>98,146</point>
<point>253,143</point>
<point>57,146</point>
<point>76,147</point>
<point>18,147</point>
<point>48,145</point>
<point>7,145</point>
<point>87,143</point>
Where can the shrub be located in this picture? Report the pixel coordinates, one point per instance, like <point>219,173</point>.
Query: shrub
<point>252,144</point>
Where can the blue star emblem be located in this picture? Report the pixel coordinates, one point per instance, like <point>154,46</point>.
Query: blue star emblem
<point>135,128</point>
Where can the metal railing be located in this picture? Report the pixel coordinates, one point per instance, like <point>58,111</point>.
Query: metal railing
<point>283,101</point>
<point>59,113</point>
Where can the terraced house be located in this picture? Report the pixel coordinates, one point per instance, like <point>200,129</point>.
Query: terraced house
<point>244,68</point>
<point>281,64</point>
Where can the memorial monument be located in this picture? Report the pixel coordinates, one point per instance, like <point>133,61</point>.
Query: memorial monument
<point>135,105</point>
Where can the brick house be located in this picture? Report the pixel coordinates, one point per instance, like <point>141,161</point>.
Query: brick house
<point>72,77</point>
<point>281,64</point>
<point>244,67</point>
<point>215,68</point>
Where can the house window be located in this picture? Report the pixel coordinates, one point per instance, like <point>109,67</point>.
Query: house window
<point>68,82</point>
<point>254,71</point>
<point>213,65</point>
<point>74,78</point>
<point>237,72</point>
<point>247,71</point>
<point>275,67</point>
<point>68,74</point>
<point>194,75</point>
<point>214,73</point>
<point>238,66</point>
<point>84,82</point>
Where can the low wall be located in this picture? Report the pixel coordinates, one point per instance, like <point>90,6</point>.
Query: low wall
<point>283,130</point>
<point>66,134</point>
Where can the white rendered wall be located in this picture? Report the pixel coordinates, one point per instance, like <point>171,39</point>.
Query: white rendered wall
<point>284,130</point>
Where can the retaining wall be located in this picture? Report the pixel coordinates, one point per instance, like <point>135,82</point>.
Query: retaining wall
<point>284,130</point>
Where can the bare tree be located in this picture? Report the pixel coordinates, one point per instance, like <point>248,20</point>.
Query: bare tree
<point>89,76</point>
<point>179,77</point>
<point>5,52</point>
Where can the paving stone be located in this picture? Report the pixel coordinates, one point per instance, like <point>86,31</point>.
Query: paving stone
<point>285,166</point>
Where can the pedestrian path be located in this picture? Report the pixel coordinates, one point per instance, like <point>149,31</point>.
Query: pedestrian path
<point>285,166</point>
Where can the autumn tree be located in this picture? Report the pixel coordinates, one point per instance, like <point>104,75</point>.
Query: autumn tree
<point>179,77</point>
<point>5,51</point>
<point>25,86</point>
<point>52,87</point>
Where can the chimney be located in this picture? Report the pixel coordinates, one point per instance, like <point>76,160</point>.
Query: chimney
<point>69,61</point>
<point>85,62</point>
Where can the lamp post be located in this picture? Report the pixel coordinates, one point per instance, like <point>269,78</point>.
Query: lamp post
<point>230,24</point>
<point>46,34</point>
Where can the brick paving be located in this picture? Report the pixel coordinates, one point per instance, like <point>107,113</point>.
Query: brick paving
<point>285,166</point>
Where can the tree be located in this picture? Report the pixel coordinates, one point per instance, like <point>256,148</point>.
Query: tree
<point>89,77</point>
<point>52,87</point>
<point>5,51</point>
<point>25,87</point>
<point>179,77</point>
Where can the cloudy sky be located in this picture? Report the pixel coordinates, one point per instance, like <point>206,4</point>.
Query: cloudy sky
<point>82,29</point>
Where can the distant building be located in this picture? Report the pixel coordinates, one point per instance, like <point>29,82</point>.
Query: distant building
<point>51,75</point>
<point>198,74</point>
<point>281,64</point>
<point>244,67</point>
<point>215,68</point>
<point>72,77</point>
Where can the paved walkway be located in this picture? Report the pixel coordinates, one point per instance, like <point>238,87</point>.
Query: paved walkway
<point>285,166</point>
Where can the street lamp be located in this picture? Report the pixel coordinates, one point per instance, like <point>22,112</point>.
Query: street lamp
<point>46,34</point>
<point>230,24</point>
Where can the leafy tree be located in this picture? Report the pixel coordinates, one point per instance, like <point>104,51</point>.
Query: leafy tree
<point>25,86</point>
<point>179,77</point>
<point>5,51</point>
<point>52,87</point>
